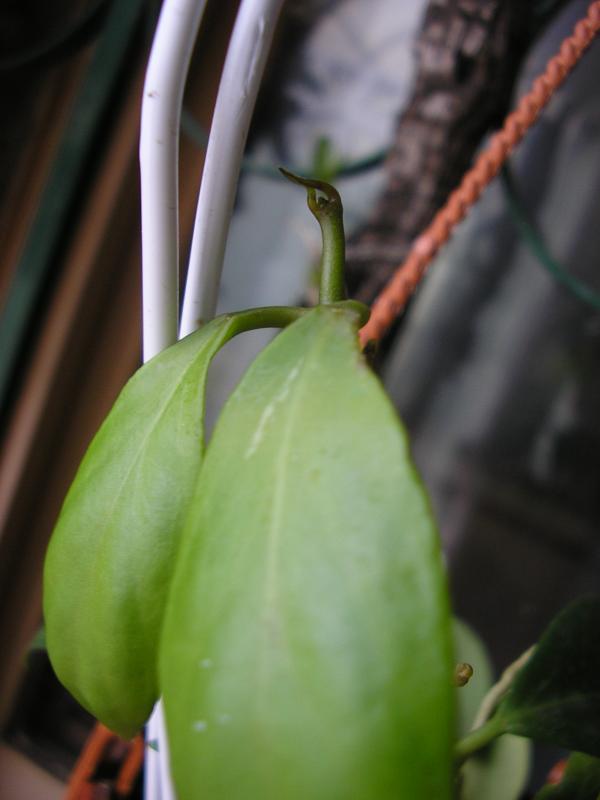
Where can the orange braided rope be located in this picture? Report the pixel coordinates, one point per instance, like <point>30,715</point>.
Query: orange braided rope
<point>81,786</point>
<point>394,296</point>
<point>130,768</point>
<point>88,761</point>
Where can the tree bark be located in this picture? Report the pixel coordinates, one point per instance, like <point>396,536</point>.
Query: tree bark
<point>468,52</point>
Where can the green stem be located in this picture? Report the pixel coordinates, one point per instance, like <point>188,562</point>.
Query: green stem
<point>326,205</point>
<point>281,316</point>
<point>268,317</point>
<point>333,258</point>
<point>362,311</point>
<point>479,738</point>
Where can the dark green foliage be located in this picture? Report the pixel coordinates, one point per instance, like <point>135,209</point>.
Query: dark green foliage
<point>555,697</point>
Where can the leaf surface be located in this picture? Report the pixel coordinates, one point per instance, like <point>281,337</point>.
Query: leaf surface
<point>111,556</point>
<point>500,771</point>
<point>306,650</point>
<point>469,647</point>
<point>555,697</point>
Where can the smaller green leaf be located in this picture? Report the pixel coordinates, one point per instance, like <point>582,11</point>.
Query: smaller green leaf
<point>500,771</point>
<point>109,562</point>
<point>469,648</point>
<point>555,697</point>
<point>110,558</point>
<point>581,780</point>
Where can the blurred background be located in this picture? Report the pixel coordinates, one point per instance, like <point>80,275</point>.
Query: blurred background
<point>493,366</point>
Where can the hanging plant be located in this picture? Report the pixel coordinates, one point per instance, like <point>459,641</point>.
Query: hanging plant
<point>284,590</point>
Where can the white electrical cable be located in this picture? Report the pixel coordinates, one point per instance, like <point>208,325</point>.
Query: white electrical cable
<point>164,769</point>
<point>242,74</point>
<point>152,788</point>
<point>157,773</point>
<point>159,150</point>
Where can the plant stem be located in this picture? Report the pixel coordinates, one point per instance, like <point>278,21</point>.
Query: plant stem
<point>328,211</point>
<point>479,738</point>
<point>491,700</point>
<point>281,316</point>
<point>333,257</point>
<point>360,309</point>
<point>268,317</point>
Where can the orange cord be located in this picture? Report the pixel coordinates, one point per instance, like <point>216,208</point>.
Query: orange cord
<point>80,783</point>
<point>130,768</point>
<point>395,295</point>
<point>88,761</point>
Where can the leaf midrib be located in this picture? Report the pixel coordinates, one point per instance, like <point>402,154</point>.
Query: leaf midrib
<point>275,526</point>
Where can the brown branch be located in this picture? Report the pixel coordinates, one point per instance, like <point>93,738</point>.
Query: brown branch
<point>393,298</point>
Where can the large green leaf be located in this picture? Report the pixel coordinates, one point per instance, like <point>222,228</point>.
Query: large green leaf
<point>555,697</point>
<point>581,780</point>
<point>111,555</point>
<point>306,648</point>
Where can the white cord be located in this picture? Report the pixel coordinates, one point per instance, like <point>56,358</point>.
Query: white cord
<point>159,150</point>
<point>166,784</point>
<point>157,773</point>
<point>242,74</point>
<point>152,788</point>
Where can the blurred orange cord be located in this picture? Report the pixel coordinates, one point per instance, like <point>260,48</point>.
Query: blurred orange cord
<point>557,772</point>
<point>130,768</point>
<point>100,741</point>
<point>393,298</point>
<point>385,309</point>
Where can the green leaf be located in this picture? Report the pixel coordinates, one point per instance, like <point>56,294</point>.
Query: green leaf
<point>500,771</point>
<point>111,556</point>
<point>469,648</point>
<point>306,648</point>
<point>581,781</point>
<point>555,697</point>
